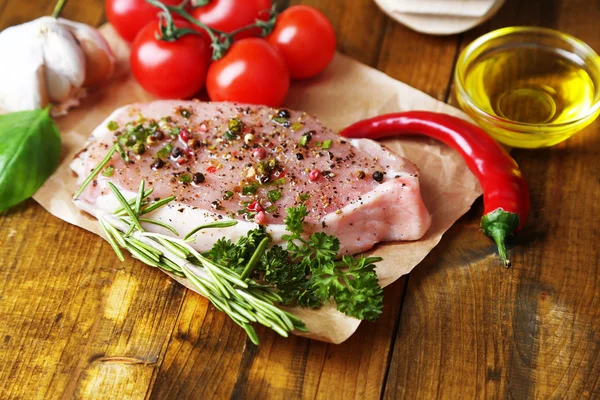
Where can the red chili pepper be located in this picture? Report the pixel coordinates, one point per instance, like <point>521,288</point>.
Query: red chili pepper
<point>505,192</point>
<point>211,170</point>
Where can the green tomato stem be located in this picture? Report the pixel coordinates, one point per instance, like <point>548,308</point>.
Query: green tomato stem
<point>220,41</point>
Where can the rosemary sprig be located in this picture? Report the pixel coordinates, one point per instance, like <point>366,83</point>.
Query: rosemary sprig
<point>242,299</point>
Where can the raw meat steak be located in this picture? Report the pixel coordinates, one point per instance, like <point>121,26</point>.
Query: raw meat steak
<point>226,160</point>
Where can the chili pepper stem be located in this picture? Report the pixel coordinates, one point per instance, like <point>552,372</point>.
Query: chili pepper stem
<point>498,225</point>
<point>499,236</point>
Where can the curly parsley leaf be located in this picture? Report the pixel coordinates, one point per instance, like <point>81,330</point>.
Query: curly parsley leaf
<point>362,299</point>
<point>307,272</point>
<point>294,221</point>
<point>353,285</point>
<point>236,256</point>
<point>289,277</point>
<point>223,252</point>
<point>324,247</point>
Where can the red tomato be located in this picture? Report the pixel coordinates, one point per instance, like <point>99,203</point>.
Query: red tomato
<point>252,72</point>
<point>229,15</point>
<point>130,16</point>
<point>305,39</point>
<point>170,69</point>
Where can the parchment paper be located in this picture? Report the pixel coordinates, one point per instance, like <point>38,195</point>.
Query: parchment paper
<point>345,92</point>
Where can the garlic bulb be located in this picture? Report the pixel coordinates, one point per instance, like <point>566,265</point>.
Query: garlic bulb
<point>51,61</point>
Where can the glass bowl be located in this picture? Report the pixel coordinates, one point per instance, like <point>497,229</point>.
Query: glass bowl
<point>548,77</point>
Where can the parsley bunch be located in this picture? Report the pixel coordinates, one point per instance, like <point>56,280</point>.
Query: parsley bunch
<point>307,272</point>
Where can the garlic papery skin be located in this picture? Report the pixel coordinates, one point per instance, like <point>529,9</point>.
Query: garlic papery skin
<point>99,59</point>
<point>49,63</point>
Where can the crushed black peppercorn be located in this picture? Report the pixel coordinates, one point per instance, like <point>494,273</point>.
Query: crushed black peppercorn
<point>198,178</point>
<point>378,176</point>
<point>158,164</point>
<point>176,153</point>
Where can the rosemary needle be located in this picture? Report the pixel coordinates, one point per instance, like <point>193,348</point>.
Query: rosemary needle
<point>139,198</point>
<point>224,224</point>
<point>126,206</point>
<point>262,246</point>
<point>121,211</point>
<point>112,242</point>
<point>157,205</point>
<point>159,223</point>
<point>96,171</point>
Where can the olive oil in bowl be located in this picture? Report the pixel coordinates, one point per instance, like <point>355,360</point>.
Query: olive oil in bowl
<point>529,87</point>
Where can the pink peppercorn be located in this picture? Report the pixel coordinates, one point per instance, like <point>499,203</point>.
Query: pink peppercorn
<point>189,152</point>
<point>259,153</point>
<point>255,206</point>
<point>260,218</point>
<point>184,134</point>
<point>314,175</point>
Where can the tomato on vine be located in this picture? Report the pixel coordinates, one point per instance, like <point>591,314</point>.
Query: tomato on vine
<point>170,69</point>
<point>251,72</point>
<point>306,40</point>
<point>128,17</point>
<point>230,15</point>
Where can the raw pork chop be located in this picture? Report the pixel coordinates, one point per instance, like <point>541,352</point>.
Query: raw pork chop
<point>226,160</point>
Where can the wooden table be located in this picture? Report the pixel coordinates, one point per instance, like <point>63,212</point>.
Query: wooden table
<point>76,323</point>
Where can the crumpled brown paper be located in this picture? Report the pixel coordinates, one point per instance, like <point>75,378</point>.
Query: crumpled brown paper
<point>346,92</point>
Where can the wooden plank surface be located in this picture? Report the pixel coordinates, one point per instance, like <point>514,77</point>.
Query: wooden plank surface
<point>76,323</point>
<point>471,329</point>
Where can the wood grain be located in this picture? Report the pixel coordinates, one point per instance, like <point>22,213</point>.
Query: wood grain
<point>468,327</point>
<point>76,323</point>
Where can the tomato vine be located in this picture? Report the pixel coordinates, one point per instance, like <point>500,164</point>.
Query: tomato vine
<point>220,41</point>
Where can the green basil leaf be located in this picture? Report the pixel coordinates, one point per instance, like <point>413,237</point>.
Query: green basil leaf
<point>29,154</point>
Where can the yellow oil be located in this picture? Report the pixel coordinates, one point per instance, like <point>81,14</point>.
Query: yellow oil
<point>530,85</point>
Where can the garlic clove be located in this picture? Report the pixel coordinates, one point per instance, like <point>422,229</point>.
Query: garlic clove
<point>64,59</point>
<point>23,79</point>
<point>50,62</point>
<point>99,59</point>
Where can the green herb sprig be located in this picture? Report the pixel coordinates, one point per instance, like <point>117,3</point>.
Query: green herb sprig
<point>317,274</point>
<point>307,272</point>
<point>243,299</point>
